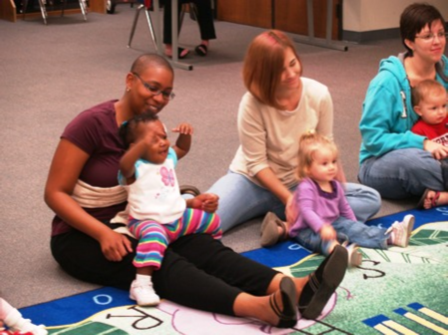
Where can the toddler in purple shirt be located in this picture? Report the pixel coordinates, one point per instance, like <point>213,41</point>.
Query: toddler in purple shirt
<point>324,218</point>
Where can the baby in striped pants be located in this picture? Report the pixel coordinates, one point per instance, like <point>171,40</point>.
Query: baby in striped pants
<point>158,214</point>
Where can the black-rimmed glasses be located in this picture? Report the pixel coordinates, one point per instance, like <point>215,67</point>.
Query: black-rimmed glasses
<point>154,90</point>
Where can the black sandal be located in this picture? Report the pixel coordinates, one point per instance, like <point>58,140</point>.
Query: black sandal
<point>180,53</point>
<point>201,50</point>
<point>322,283</point>
<point>288,317</point>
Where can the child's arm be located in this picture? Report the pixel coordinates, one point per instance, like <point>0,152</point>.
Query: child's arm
<point>307,198</point>
<point>183,142</point>
<point>127,161</point>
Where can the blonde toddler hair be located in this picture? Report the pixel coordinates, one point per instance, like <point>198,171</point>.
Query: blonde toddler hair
<point>425,88</point>
<point>309,143</point>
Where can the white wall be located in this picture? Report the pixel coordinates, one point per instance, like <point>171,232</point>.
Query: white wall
<point>368,15</point>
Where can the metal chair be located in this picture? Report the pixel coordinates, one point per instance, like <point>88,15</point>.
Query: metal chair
<point>147,6</point>
<point>43,10</point>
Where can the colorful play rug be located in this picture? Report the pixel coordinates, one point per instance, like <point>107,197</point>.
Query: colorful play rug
<point>398,291</point>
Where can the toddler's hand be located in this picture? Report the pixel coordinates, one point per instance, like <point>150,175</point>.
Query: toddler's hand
<point>327,232</point>
<point>208,202</point>
<point>437,150</point>
<point>184,129</point>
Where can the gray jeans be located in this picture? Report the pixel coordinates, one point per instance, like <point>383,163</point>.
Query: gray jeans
<point>403,173</point>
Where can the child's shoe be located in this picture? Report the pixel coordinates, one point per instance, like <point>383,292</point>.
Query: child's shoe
<point>354,256</point>
<point>401,231</point>
<point>144,294</point>
<point>17,324</point>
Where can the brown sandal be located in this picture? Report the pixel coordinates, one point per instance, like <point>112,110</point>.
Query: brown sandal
<point>269,230</point>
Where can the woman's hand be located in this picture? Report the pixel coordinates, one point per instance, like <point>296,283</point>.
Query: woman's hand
<point>438,151</point>
<point>114,245</point>
<point>208,202</point>
<point>327,232</point>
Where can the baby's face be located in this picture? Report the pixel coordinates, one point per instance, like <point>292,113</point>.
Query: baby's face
<point>157,143</point>
<point>432,108</point>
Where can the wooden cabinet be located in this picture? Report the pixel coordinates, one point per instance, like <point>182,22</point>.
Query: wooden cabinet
<point>286,15</point>
<point>8,10</point>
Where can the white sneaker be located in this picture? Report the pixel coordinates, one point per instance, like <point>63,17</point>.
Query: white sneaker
<point>31,328</point>
<point>17,323</point>
<point>354,256</point>
<point>401,231</point>
<point>144,294</point>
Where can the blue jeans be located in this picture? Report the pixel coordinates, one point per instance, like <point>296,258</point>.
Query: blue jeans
<point>347,230</point>
<point>241,200</point>
<point>403,173</point>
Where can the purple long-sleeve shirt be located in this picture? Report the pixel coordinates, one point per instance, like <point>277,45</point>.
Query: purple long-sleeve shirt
<point>317,207</point>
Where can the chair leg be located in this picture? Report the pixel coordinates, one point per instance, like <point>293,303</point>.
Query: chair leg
<point>83,6</point>
<point>151,30</point>
<point>43,11</point>
<point>134,24</point>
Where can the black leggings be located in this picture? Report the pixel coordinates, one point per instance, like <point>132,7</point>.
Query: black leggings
<point>205,19</point>
<point>197,270</point>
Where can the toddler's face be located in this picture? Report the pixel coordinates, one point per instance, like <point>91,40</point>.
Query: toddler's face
<point>324,167</point>
<point>157,143</point>
<point>432,109</point>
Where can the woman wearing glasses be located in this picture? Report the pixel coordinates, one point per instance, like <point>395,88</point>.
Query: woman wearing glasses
<point>393,160</point>
<point>197,271</point>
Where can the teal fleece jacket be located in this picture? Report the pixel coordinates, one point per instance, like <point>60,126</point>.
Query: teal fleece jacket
<point>388,115</point>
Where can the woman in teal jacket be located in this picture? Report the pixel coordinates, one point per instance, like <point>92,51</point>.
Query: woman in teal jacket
<point>393,160</point>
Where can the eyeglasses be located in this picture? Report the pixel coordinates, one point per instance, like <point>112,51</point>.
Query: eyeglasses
<point>154,90</point>
<point>430,36</point>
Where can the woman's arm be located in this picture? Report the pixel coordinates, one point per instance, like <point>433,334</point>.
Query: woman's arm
<point>386,119</point>
<point>269,180</point>
<point>68,161</point>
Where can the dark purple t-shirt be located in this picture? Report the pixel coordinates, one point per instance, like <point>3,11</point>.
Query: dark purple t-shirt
<point>95,131</point>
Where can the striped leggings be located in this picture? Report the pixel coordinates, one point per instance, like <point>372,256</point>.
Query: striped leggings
<point>154,237</point>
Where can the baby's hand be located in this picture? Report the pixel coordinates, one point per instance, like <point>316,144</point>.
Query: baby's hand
<point>208,202</point>
<point>184,129</point>
<point>437,150</point>
<point>327,232</point>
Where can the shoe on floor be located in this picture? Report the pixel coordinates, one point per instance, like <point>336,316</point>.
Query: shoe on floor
<point>270,232</point>
<point>401,231</point>
<point>181,53</point>
<point>144,294</point>
<point>201,50</point>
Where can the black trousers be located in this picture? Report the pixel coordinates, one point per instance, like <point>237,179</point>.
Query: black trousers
<point>197,270</point>
<point>205,19</point>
